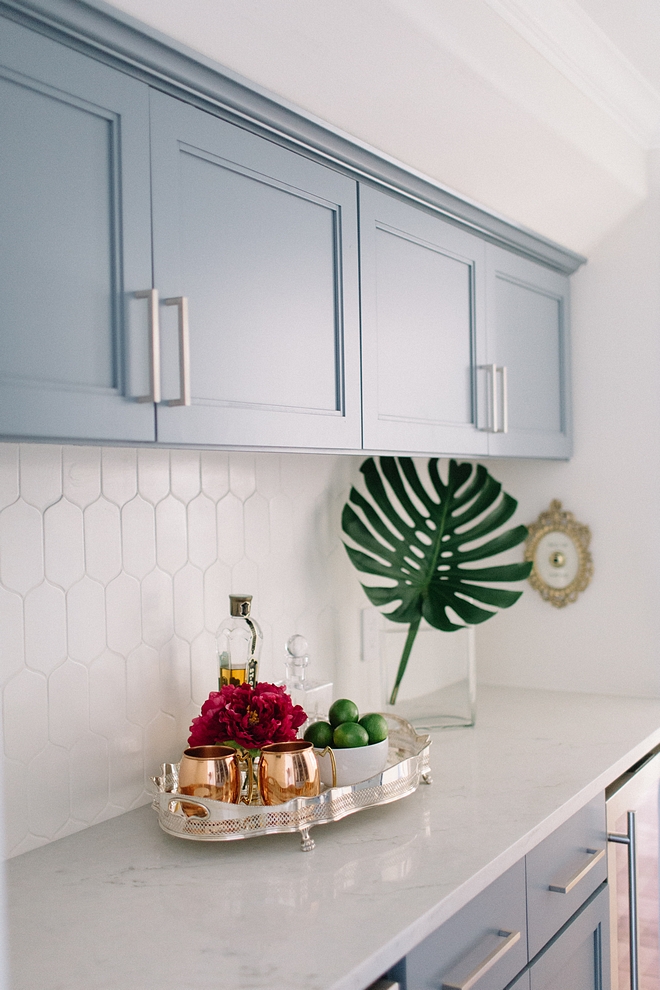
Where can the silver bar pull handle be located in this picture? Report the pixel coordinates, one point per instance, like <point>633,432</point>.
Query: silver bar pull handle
<point>490,951</point>
<point>629,839</point>
<point>154,346</point>
<point>595,856</point>
<point>496,423</point>
<point>184,350</point>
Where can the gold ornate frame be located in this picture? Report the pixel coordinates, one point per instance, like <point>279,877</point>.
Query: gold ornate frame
<point>553,520</point>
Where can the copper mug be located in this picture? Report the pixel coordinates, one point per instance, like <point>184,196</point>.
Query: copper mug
<point>288,770</point>
<point>212,772</point>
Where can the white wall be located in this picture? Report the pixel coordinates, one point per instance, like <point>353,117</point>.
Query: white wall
<point>609,640</point>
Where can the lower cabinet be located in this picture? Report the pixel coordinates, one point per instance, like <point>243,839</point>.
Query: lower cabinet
<point>542,925</point>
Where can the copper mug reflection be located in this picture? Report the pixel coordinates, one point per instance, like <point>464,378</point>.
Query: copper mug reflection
<point>210,772</point>
<point>288,770</point>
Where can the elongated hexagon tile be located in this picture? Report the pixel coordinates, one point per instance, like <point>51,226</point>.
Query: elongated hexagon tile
<point>123,614</point>
<point>126,764</point>
<point>217,587</point>
<point>118,474</point>
<point>21,547</point>
<point>64,553</point>
<point>175,689</point>
<point>88,776</point>
<point>138,533</point>
<point>102,540</point>
<point>215,473</point>
<point>45,628</point>
<point>12,643</point>
<point>162,744</point>
<point>157,608</point>
<point>25,715</point>
<point>171,541</point>
<point>203,667</point>
<point>185,474</point>
<point>9,489</point>
<point>86,620</point>
<point>245,580</point>
<point>68,703</point>
<point>81,474</point>
<point>281,525</point>
<point>49,806</point>
<point>202,533</point>
<point>188,602</point>
<point>40,473</point>
<point>142,685</point>
<point>242,479</point>
<point>153,474</point>
<point>257,527</point>
<point>14,775</point>
<point>231,537</point>
<point>107,693</point>
<point>268,478</point>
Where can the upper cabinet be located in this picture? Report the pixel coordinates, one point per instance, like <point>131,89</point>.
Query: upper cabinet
<point>76,244</point>
<point>170,275</point>
<point>262,243</point>
<point>423,329</point>
<point>527,373</point>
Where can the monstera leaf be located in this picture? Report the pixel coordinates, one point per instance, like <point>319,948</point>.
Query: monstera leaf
<point>425,542</point>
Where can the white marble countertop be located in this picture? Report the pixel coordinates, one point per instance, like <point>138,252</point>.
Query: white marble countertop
<point>123,905</point>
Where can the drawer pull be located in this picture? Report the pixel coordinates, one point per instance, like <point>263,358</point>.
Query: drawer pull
<point>595,856</point>
<point>495,946</point>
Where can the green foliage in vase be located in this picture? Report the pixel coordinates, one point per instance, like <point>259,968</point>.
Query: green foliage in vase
<point>425,541</point>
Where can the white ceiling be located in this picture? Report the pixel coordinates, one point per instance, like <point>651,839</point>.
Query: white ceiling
<point>542,110</point>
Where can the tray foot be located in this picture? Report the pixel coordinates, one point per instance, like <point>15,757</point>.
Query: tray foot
<point>426,777</point>
<point>307,843</point>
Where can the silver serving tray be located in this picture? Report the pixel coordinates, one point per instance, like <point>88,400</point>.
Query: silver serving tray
<point>407,766</point>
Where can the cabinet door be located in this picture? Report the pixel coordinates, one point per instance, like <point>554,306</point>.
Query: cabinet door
<point>484,945</point>
<point>76,244</point>
<point>579,957</point>
<point>528,335</point>
<point>263,244</point>
<point>422,283</point>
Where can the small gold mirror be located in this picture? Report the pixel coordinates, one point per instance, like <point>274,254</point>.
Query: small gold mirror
<point>558,546</point>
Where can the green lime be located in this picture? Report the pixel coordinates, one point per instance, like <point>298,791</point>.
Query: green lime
<point>319,733</point>
<point>375,725</point>
<point>343,710</point>
<point>348,735</point>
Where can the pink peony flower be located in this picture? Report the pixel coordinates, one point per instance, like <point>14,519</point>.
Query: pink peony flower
<point>249,717</point>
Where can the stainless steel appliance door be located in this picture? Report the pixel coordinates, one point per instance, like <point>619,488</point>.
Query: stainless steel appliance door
<point>633,816</point>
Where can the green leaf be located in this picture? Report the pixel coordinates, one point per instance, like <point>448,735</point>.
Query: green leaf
<point>420,537</point>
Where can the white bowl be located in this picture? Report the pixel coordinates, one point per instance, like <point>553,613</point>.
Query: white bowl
<point>353,765</point>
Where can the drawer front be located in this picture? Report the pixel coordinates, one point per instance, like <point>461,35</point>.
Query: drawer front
<point>564,870</point>
<point>578,958</point>
<point>487,936</point>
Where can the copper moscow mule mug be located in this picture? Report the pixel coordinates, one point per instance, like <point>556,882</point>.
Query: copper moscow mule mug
<point>211,772</point>
<point>288,770</point>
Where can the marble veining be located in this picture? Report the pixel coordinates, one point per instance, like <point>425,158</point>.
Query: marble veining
<point>122,904</point>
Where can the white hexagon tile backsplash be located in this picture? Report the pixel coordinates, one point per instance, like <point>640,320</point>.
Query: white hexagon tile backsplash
<point>115,570</point>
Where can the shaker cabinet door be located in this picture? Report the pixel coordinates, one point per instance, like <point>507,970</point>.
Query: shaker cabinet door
<point>76,244</point>
<point>527,371</point>
<point>262,243</point>
<point>423,284</point>
<point>579,957</point>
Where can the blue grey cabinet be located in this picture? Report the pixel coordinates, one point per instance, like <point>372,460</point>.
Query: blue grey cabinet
<point>578,958</point>
<point>526,374</point>
<point>423,329</point>
<point>75,221</point>
<point>262,242</point>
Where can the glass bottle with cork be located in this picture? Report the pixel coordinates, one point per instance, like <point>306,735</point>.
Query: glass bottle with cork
<point>238,644</point>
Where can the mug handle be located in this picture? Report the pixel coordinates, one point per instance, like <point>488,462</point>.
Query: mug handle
<point>328,752</point>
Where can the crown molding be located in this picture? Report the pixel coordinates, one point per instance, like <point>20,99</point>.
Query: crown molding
<point>564,34</point>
